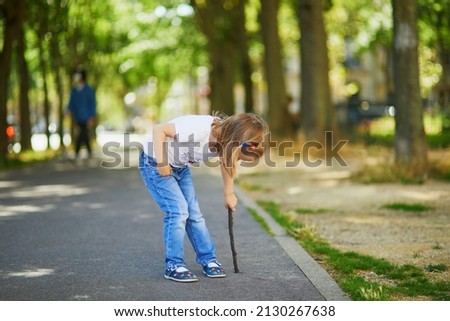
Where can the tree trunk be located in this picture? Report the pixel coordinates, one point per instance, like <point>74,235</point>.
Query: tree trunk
<point>11,10</point>
<point>216,19</point>
<point>244,58</point>
<point>61,108</point>
<point>278,114</point>
<point>43,68</point>
<point>24,101</point>
<point>5,67</point>
<point>410,143</point>
<point>317,113</point>
<point>56,63</point>
<point>222,78</point>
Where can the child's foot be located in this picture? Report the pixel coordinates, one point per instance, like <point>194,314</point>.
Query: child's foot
<point>180,274</point>
<point>214,270</point>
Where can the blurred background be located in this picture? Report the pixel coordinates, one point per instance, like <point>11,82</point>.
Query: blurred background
<point>372,71</point>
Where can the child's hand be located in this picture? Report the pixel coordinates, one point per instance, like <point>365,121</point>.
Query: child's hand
<point>164,170</point>
<point>230,201</point>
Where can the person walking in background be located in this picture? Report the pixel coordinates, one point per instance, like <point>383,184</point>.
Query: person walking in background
<point>164,168</point>
<point>82,106</point>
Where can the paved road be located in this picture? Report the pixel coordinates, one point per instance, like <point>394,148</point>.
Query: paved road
<point>76,231</point>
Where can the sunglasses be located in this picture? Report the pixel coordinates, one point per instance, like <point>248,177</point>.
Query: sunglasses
<point>250,145</point>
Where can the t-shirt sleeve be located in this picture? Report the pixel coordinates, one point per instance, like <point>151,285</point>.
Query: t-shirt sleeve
<point>191,127</point>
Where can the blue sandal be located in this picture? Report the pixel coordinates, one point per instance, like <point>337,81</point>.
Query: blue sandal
<point>180,274</point>
<point>214,270</point>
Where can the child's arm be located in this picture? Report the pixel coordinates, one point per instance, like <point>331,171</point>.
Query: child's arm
<point>160,133</point>
<point>229,199</point>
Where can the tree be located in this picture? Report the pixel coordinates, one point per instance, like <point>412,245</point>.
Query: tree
<point>219,22</point>
<point>58,28</point>
<point>278,114</point>
<point>13,12</point>
<point>317,113</point>
<point>24,101</point>
<point>244,60</point>
<point>410,143</point>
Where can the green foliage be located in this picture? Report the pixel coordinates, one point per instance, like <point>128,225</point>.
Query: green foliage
<point>162,41</point>
<point>364,22</point>
<point>124,44</point>
<point>433,21</point>
<point>121,44</point>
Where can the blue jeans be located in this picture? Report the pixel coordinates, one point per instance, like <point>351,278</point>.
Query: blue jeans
<point>175,195</point>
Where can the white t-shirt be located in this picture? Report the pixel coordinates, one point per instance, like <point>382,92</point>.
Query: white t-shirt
<point>191,142</point>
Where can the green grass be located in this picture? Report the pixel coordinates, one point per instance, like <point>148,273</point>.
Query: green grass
<point>387,140</point>
<point>408,207</point>
<point>310,211</point>
<point>436,268</point>
<point>441,140</point>
<point>254,187</point>
<point>287,221</point>
<point>26,158</point>
<point>437,246</point>
<point>260,220</point>
<point>381,132</point>
<point>391,282</point>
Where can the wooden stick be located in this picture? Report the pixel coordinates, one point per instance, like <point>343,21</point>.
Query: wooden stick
<point>233,249</point>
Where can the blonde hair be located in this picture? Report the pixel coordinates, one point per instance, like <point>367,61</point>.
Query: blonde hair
<point>244,132</point>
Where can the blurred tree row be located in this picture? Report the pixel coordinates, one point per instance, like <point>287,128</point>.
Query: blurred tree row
<point>127,45</point>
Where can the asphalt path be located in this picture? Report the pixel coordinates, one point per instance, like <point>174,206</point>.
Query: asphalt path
<point>78,231</point>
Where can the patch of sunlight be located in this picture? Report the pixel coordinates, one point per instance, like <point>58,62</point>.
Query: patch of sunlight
<point>294,190</point>
<point>96,206</point>
<point>9,184</point>
<point>334,175</point>
<point>23,209</point>
<point>84,205</point>
<point>58,190</point>
<point>425,195</point>
<point>31,273</point>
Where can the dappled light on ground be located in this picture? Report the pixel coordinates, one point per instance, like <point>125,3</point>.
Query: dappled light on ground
<point>58,190</point>
<point>14,210</point>
<point>30,273</point>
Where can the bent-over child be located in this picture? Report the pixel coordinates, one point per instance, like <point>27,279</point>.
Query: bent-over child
<point>163,164</point>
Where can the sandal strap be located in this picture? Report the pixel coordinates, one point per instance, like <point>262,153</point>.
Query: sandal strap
<point>215,262</point>
<point>181,275</point>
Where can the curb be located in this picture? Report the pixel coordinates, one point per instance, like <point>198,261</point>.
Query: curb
<point>321,280</point>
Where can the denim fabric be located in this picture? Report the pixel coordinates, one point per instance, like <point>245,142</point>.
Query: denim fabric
<point>175,195</point>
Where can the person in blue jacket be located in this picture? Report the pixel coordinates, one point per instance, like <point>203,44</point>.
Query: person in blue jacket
<point>82,106</point>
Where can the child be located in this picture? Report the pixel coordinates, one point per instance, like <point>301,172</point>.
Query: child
<point>163,166</point>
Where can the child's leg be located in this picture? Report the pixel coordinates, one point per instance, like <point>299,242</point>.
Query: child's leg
<point>195,226</point>
<point>167,194</point>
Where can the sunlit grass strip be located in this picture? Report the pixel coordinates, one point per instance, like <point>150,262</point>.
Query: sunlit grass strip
<point>254,187</point>
<point>386,125</point>
<point>394,281</point>
<point>310,211</point>
<point>260,220</point>
<point>27,157</point>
